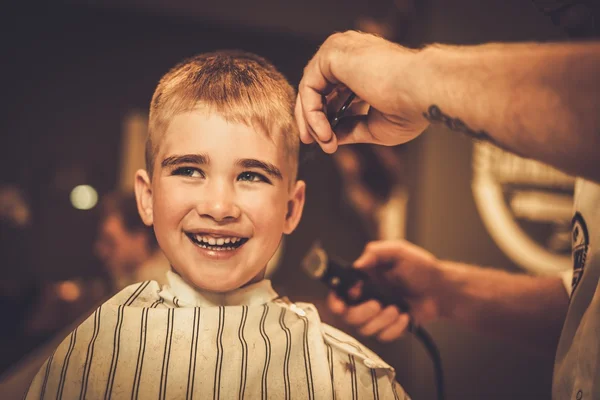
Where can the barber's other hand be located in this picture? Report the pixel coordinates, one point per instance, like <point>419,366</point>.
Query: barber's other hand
<point>409,272</point>
<point>382,74</point>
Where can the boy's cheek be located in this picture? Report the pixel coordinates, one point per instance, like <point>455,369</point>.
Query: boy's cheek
<point>274,198</point>
<point>175,196</point>
<point>265,209</point>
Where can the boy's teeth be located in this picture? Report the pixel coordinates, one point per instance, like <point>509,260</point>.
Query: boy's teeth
<point>217,241</point>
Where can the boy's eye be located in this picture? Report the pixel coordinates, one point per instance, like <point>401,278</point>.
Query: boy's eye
<point>252,177</point>
<point>188,171</point>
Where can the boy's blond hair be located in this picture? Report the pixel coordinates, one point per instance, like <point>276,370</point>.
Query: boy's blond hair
<point>241,87</point>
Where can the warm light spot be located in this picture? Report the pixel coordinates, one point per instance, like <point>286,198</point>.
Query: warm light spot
<point>84,197</point>
<point>68,291</point>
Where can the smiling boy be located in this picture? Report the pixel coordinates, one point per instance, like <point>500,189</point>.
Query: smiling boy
<point>220,190</point>
<point>220,198</point>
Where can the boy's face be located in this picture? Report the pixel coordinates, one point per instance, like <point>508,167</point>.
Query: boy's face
<point>219,200</point>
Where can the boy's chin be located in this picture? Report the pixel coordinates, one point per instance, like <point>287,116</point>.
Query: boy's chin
<point>226,285</point>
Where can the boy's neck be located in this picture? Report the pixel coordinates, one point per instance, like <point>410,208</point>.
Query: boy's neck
<point>256,292</point>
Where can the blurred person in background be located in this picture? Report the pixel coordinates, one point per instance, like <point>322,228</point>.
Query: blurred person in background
<point>128,248</point>
<point>16,297</point>
<point>34,309</point>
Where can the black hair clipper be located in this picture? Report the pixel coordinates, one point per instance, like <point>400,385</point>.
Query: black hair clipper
<point>335,119</point>
<point>341,277</point>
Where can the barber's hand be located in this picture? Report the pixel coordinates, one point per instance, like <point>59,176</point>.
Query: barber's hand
<point>382,74</point>
<point>410,272</point>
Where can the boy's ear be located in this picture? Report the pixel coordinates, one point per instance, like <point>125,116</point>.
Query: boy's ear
<point>295,207</point>
<point>143,195</point>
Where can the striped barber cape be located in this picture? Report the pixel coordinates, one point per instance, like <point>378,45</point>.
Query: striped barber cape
<point>179,343</point>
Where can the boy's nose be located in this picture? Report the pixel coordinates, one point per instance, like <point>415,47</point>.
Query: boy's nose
<point>219,203</point>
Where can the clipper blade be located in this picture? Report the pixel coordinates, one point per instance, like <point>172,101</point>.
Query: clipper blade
<point>315,262</point>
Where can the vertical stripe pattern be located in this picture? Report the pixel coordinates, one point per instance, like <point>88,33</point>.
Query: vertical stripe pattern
<point>219,363</point>
<point>115,354</point>
<point>193,354</point>
<point>263,333</point>
<point>330,363</point>
<point>352,367</point>
<point>394,391</point>
<point>117,338</point>
<point>244,354</point>
<point>138,346</point>
<point>307,363</point>
<point>374,383</point>
<point>90,354</point>
<point>167,354</point>
<point>286,357</point>
<point>135,391</point>
<point>46,375</point>
<point>63,373</point>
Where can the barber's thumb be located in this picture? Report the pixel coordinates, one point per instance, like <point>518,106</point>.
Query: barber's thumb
<point>367,260</point>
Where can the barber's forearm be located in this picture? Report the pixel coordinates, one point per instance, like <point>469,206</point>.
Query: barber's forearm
<point>526,309</point>
<point>539,100</point>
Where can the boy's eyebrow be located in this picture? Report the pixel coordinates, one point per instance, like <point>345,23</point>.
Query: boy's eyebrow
<point>185,159</point>
<point>269,168</point>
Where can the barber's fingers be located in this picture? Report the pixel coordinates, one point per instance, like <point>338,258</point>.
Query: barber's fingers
<point>336,305</point>
<point>330,104</point>
<point>373,254</point>
<point>317,82</point>
<point>366,124</point>
<point>386,251</point>
<point>354,315</point>
<point>383,320</point>
<point>315,103</point>
<point>395,330</point>
<point>313,123</point>
<point>354,129</point>
<point>362,313</point>
<point>309,131</point>
<point>388,324</point>
<point>305,136</point>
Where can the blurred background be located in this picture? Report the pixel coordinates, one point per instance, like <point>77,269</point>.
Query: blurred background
<point>77,81</point>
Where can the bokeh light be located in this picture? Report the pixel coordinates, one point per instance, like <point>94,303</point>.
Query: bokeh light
<point>68,291</point>
<point>84,197</point>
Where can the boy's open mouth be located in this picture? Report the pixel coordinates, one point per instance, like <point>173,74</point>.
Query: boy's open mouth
<point>222,243</point>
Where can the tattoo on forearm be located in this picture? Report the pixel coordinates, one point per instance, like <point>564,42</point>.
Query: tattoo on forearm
<point>435,115</point>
